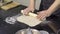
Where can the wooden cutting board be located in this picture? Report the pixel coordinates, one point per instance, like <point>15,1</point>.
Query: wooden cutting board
<point>9,6</point>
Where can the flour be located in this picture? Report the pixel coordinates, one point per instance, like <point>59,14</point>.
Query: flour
<point>29,20</point>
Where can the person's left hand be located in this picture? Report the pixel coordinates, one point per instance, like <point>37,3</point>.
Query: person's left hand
<point>43,14</point>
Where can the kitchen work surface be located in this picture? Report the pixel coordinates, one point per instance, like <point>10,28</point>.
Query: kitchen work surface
<point>13,28</point>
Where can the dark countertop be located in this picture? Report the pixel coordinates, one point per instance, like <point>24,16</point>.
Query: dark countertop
<point>6,28</point>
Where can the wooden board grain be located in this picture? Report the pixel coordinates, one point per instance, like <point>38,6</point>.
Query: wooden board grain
<point>9,6</point>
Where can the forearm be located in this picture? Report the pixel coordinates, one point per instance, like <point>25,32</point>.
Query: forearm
<point>53,7</point>
<point>32,4</point>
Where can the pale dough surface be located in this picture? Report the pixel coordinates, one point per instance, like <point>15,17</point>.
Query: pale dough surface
<point>29,20</point>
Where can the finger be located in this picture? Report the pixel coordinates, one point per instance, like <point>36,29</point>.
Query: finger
<point>24,12</point>
<point>43,18</point>
<point>38,17</point>
<point>32,11</point>
<point>27,13</point>
<point>37,12</point>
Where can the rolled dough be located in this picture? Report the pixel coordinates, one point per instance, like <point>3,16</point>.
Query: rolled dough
<point>29,20</point>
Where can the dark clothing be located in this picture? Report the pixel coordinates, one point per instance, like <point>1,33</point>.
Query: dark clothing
<point>45,4</point>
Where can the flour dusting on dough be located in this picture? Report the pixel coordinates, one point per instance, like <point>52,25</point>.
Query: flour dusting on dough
<point>29,20</point>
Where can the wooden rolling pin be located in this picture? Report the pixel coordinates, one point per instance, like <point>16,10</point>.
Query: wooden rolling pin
<point>33,15</point>
<point>30,14</point>
<point>32,19</point>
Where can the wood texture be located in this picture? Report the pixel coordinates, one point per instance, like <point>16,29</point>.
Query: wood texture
<point>11,5</point>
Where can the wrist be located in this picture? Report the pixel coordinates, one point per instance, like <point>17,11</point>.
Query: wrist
<point>31,8</point>
<point>49,12</point>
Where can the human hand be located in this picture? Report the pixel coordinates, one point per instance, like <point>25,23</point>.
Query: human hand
<point>42,15</point>
<point>27,10</point>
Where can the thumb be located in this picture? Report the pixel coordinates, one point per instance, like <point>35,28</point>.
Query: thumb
<point>33,10</point>
<point>38,12</point>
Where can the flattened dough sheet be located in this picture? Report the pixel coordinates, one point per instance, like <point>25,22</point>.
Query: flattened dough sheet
<point>29,20</point>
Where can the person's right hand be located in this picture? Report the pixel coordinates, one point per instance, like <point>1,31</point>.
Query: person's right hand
<point>27,10</point>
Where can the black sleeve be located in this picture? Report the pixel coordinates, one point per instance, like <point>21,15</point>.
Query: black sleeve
<point>45,4</point>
